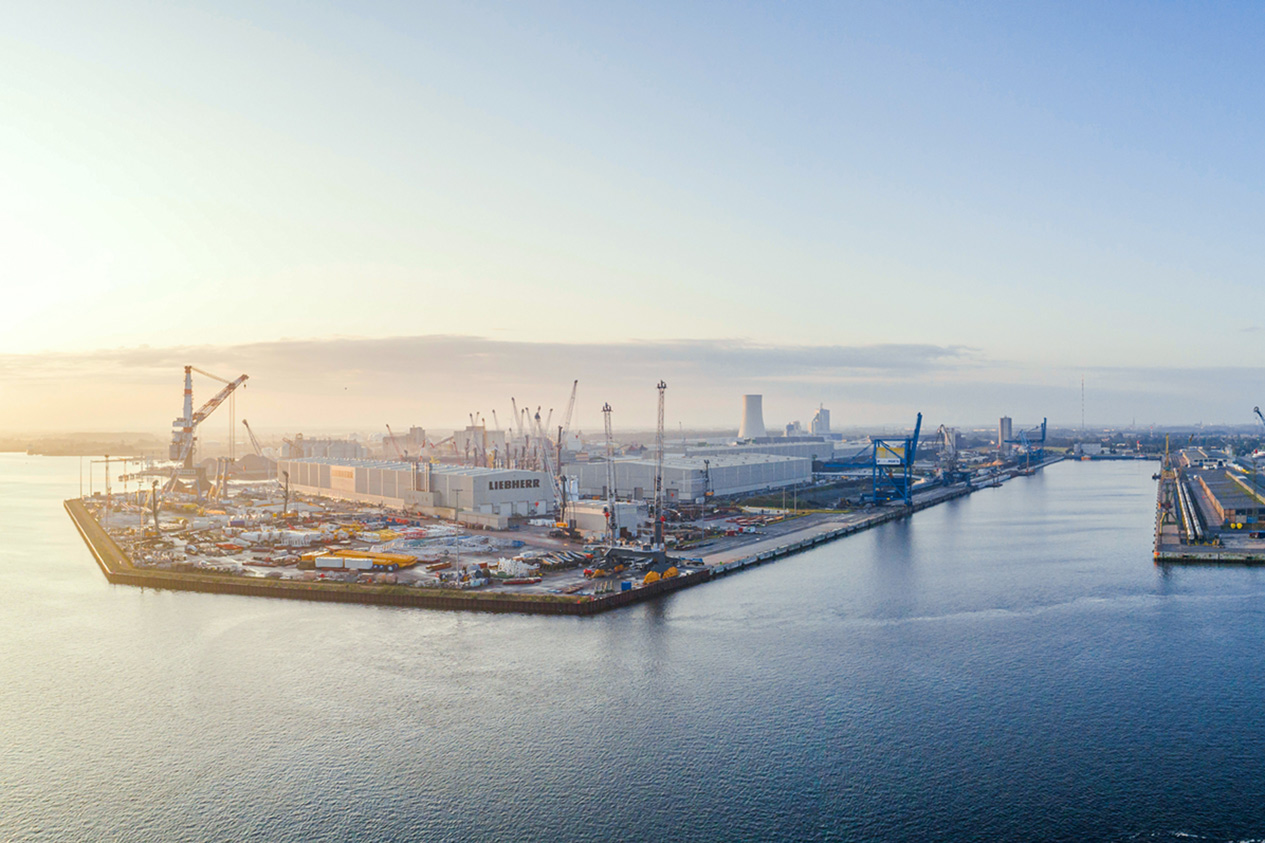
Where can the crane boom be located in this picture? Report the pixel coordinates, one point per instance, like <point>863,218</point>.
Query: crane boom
<point>209,407</point>
<point>547,463</point>
<point>1257,410</point>
<point>254,441</point>
<point>209,375</point>
<point>394,444</point>
<point>566,419</point>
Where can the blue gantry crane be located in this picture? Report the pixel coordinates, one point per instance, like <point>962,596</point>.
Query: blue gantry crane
<point>1032,447</point>
<point>892,467</point>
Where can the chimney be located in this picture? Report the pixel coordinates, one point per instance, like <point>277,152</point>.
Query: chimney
<point>752,426</point>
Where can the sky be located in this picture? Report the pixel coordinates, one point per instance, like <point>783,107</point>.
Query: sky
<point>959,209</point>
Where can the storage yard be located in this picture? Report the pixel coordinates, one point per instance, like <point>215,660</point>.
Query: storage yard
<point>337,541</point>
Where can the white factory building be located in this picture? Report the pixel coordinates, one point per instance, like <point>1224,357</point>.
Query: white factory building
<point>590,518</point>
<point>685,478</point>
<point>482,496</point>
<point>811,449</point>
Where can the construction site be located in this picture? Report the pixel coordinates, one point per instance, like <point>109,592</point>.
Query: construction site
<point>530,517</point>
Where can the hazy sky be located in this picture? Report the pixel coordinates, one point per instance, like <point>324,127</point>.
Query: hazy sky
<point>958,208</point>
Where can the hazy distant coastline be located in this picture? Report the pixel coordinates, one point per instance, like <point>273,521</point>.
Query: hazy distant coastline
<point>84,444</point>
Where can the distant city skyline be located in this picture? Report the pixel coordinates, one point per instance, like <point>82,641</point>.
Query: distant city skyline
<point>883,207</point>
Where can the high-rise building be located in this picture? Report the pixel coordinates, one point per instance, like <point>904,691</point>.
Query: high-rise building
<point>752,426</point>
<point>820,425</point>
<point>1004,433</point>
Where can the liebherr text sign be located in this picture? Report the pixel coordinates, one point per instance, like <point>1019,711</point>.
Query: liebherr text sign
<point>531,483</point>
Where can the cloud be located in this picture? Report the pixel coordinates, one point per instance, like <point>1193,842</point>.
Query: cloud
<point>437,380</point>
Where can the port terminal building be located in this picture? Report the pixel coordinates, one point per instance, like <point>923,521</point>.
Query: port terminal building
<point>484,497</point>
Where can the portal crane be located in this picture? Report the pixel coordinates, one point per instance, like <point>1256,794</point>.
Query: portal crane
<point>889,453</point>
<point>182,437</point>
<point>1032,446</point>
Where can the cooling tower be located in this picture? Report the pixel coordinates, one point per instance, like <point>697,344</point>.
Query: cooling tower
<point>752,426</point>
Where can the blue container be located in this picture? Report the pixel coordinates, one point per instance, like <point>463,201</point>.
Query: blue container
<point>626,585</point>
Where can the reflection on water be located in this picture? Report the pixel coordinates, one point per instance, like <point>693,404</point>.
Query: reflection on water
<point>1007,666</point>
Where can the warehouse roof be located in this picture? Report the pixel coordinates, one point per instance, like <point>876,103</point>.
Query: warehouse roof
<point>700,463</point>
<point>1227,492</point>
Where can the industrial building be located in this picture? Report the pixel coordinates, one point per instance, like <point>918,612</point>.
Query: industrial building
<point>589,517</point>
<point>804,447</point>
<point>1225,498</point>
<point>483,496</point>
<point>687,478</point>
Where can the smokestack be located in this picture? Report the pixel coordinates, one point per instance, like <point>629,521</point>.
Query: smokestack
<point>752,426</point>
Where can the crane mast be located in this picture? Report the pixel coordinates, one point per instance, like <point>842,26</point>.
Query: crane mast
<point>548,468</point>
<point>566,419</point>
<point>610,475</point>
<point>395,444</point>
<point>658,473</point>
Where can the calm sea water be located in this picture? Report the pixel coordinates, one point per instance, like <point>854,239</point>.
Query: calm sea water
<point>1008,666</point>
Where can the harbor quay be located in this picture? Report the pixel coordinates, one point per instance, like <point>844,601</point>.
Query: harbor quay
<point>340,551</point>
<point>1209,510</point>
